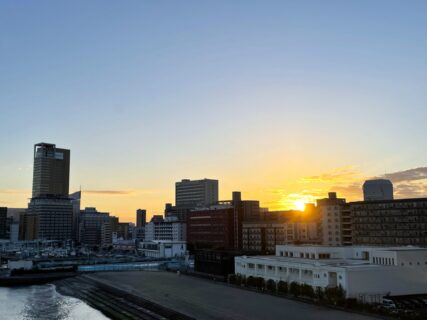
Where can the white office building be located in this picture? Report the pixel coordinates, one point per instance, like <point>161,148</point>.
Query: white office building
<point>168,229</point>
<point>365,273</point>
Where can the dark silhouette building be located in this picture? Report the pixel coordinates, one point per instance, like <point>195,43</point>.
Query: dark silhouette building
<point>51,173</point>
<point>141,218</point>
<point>3,223</point>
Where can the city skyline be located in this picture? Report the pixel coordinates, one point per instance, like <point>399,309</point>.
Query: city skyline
<point>283,102</point>
<point>408,184</point>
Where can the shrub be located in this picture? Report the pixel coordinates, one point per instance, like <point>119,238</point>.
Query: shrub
<point>282,287</point>
<point>270,285</point>
<point>232,279</point>
<point>295,289</point>
<point>250,282</point>
<point>307,290</point>
<point>259,283</point>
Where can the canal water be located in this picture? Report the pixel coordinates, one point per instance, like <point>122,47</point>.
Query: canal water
<point>43,302</point>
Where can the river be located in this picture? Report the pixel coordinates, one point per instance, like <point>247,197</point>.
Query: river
<point>43,302</point>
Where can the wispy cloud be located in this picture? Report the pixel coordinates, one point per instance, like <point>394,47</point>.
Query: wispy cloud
<point>109,192</point>
<point>348,173</point>
<point>407,175</point>
<point>14,191</point>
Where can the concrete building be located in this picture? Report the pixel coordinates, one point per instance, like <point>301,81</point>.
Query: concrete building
<point>95,228</point>
<point>169,229</point>
<point>334,220</point>
<point>365,273</point>
<point>141,218</point>
<point>163,248</point>
<point>390,222</point>
<point>75,201</point>
<point>51,173</point>
<point>196,193</point>
<point>213,228</point>
<point>377,190</point>
<point>14,232</point>
<point>3,222</point>
<point>263,236</point>
<point>51,218</point>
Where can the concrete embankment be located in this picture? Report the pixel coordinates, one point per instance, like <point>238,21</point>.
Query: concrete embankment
<point>115,303</point>
<point>206,300</point>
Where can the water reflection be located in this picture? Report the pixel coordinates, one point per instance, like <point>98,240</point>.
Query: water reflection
<point>43,302</point>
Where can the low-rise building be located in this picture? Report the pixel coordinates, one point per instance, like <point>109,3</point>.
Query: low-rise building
<point>163,248</point>
<point>165,229</point>
<point>365,273</point>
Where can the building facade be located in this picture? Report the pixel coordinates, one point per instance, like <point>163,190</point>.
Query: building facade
<point>263,236</point>
<point>163,249</point>
<point>165,229</point>
<point>391,222</point>
<point>196,193</point>
<point>334,221</point>
<point>141,218</point>
<point>51,172</point>
<point>50,219</point>
<point>365,273</point>
<point>212,228</point>
<point>3,222</point>
<point>377,190</point>
<point>95,228</point>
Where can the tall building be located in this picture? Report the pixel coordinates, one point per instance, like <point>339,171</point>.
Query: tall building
<point>141,218</point>
<point>212,228</point>
<point>3,223</point>
<point>331,211</point>
<point>51,173</point>
<point>75,201</point>
<point>390,222</point>
<point>196,193</point>
<point>52,218</point>
<point>95,227</point>
<point>377,190</point>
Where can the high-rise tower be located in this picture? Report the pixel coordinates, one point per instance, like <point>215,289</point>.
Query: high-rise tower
<point>51,173</point>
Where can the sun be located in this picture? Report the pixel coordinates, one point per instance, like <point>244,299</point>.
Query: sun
<point>299,205</point>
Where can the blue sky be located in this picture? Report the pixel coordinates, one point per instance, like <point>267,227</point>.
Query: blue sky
<point>256,93</point>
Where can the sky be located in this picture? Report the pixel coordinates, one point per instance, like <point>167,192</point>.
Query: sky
<point>282,100</point>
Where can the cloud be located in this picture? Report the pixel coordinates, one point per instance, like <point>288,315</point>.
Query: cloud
<point>109,192</point>
<point>407,175</point>
<point>348,173</point>
<point>14,191</point>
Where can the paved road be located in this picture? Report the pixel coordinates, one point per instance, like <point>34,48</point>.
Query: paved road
<point>203,299</point>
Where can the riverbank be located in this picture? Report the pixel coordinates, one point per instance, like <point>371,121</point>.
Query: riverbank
<point>194,298</point>
<point>114,302</point>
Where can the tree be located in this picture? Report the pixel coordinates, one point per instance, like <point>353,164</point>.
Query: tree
<point>307,290</point>
<point>282,287</point>
<point>271,285</point>
<point>232,278</point>
<point>259,283</point>
<point>250,282</point>
<point>295,288</point>
<point>319,293</point>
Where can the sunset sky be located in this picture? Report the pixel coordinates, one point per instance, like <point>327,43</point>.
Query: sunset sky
<point>284,101</point>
